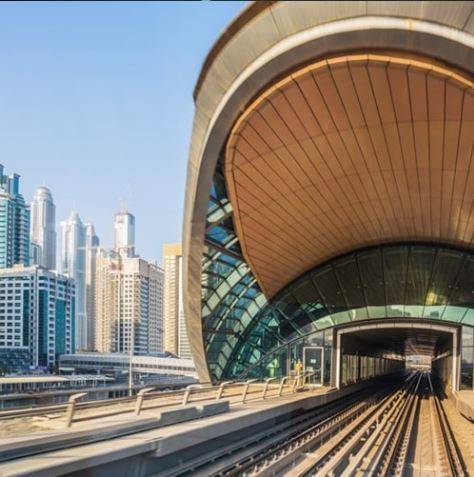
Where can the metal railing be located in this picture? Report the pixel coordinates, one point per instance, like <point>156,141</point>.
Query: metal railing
<point>265,387</point>
<point>71,407</point>
<point>140,398</point>
<point>193,393</point>
<point>188,391</point>
<point>246,388</point>
<point>220,390</point>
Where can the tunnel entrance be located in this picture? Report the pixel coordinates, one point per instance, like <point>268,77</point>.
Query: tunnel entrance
<point>370,350</point>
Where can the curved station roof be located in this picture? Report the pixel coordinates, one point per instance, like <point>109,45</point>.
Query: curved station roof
<point>330,176</point>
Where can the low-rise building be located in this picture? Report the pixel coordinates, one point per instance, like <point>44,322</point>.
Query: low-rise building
<point>161,367</point>
<point>36,384</point>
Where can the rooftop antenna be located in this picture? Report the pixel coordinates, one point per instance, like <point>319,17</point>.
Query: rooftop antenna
<point>129,192</point>
<point>122,205</point>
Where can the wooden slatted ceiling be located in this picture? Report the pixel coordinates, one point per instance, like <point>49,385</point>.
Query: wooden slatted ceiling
<point>350,152</point>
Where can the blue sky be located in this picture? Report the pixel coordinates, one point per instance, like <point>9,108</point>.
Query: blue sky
<point>96,103</point>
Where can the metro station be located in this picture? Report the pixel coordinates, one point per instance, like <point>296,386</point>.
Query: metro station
<point>328,262</point>
<point>329,218</point>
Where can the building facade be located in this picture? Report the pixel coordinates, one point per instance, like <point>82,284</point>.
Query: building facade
<point>330,189</point>
<point>73,264</point>
<point>37,309</point>
<point>14,222</point>
<point>117,365</point>
<point>175,335</point>
<point>43,228</point>
<point>92,247</point>
<point>129,305</point>
<point>124,234</point>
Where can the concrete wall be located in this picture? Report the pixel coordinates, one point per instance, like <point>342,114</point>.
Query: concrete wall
<point>442,368</point>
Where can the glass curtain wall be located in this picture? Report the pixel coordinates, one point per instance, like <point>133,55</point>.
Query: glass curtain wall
<point>243,331</point>
<point>467,358</point>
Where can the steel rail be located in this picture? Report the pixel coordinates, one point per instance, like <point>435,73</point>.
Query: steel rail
<point>390,459</point>
<point>272,441</point>
<point>340,451</point>
<point>259,458</point>
<point>455,461</point>
<point>380,446</point>
<point>327,458</point>
<point>398,440</point>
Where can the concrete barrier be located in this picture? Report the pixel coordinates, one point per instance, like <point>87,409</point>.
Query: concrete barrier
<point>213,408</point>
<point>21,446</point>
<point>177,415</point>
<point>464,401</point>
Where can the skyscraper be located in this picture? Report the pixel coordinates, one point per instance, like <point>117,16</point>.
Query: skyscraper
<point>36,317</point>
<point>73,264</point>
<point>43,228</point>
<point>14,222</point>
<point>92,245</point>
<point>124,234</point>
<point>129,305</point>
<point>175,335</point>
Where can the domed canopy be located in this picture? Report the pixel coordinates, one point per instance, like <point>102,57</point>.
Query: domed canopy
<point>323,129</point>
<point>349,152</point>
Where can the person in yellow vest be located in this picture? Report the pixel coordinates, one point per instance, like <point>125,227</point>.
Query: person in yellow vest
<point>298,371</point>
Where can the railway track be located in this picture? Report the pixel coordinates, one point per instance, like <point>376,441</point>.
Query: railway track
<point>397,431</point>
<point>268,449</point>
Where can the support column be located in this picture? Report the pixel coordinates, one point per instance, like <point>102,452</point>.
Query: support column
<point>338,360</point>
<point>454,371</point>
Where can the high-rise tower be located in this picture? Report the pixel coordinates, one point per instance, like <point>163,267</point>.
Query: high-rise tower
<point>129,305</point>
<point>175,335</point>
<point>43,228</point>
<point>92,245</point>
<point>73,264</point>
<point>124,228</point>
<point>14,222</point>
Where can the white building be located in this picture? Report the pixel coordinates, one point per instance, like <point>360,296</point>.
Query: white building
<point>117,364</point>
<point>124,234</point>
<point>175,335</point>
<point>43,228</point>
<point>73,264</point>
<point>92,245</point>
<point>129,305</point>
<point>36,317</point>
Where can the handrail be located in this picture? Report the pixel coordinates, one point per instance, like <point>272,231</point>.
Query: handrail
<point>187,393</point>
<point>172,398</point>
<point>71,406</point>
<point>297,380</point>
<point>140,397</point>
<point>220,390</point>
<point>246,388</point>
<point>308,374</point>
<point>267,382</point>
<point>282,382</point>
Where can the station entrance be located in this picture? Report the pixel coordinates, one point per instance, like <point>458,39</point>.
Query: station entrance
<point>368,350</point>
<point>313,364</point>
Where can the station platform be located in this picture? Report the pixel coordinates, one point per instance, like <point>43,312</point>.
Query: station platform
<point>155,449</point>
<point>465,403</point>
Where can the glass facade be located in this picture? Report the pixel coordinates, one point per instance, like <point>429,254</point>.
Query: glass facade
<point>467,358</point>
<point>36,317</point>
<point>244,332</point>
<point>14,223</point>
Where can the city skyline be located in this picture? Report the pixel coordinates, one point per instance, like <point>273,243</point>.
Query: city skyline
<point>116,121</point>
